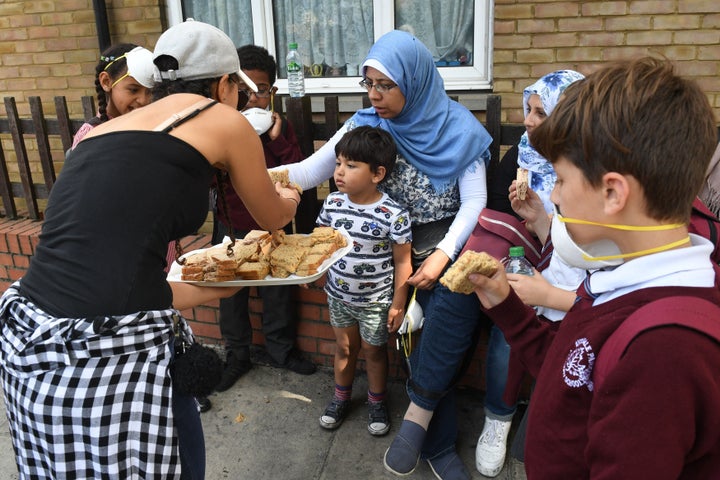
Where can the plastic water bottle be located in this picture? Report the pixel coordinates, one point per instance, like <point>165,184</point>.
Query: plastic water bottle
<point>295,75</point>
<point>517,263</point>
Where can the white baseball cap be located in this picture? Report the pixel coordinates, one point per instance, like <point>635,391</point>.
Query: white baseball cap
<point>201,50</point>
<point>140,66</point>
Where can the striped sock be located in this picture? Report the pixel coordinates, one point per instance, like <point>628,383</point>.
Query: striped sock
<point>343,393</point>
<point>376,397</point>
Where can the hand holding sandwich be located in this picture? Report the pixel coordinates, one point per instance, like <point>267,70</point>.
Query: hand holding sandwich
<point>491,291</point>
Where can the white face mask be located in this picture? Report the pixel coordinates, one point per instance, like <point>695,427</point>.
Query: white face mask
<point>602,253</point>
<point>259,118</point>
<point>582,257</point>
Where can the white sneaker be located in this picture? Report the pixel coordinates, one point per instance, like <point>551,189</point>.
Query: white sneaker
<point>491,447</point>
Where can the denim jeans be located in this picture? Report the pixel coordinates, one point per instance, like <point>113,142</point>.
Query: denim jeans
<point>450,331</point>
<point>448,341</point>
<point>191,440</point>
<point>496,372</point>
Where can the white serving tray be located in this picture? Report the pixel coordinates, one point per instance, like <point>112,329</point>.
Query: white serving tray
<point>175,273</point>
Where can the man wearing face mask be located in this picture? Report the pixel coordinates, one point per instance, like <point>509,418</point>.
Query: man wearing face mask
<point>630,145</point>
<point>278,320</point>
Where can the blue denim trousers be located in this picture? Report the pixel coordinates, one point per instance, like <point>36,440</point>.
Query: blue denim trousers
<point>448,340</point>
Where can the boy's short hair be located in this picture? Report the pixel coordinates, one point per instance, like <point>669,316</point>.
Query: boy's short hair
<point>254,57</point>
<point>370,145</point>
<point>636,118</point>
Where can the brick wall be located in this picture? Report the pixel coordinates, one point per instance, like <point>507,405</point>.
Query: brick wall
<point>51,48</point>
<point>533,38</point>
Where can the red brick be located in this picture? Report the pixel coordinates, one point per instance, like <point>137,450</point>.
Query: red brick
<point>16,273</point>
<point>6,259</point>
<point>21,261</point>
<point>205,315</point>
<point>206,330</point>
<point>307,344</point>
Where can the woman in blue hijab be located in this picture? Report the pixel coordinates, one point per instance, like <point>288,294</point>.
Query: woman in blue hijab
<point>440,179</point>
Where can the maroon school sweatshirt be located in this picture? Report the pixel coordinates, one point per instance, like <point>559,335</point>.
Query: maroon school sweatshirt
<point>657,414</point>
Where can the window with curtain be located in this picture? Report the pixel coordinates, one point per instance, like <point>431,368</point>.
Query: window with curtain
<point>233,17</point>
<point>333,36</point>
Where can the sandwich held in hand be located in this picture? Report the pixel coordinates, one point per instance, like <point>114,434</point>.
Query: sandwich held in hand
<point>456,277</point>
<point>283,177</point>
<point>261,253</point>
<point>521,183</point>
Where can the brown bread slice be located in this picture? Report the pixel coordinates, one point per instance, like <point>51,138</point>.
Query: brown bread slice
<point>455,277</point>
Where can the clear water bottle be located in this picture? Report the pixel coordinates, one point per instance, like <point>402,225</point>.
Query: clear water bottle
<point>517,263</point>
<point>295,75</point>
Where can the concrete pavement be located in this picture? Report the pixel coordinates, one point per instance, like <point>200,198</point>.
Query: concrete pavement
<point>266,428</point>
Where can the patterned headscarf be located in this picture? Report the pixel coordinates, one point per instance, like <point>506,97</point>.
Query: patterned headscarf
<point>549,88</point>
<point>438,136</point>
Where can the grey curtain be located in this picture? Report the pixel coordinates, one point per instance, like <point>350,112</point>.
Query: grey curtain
<point>233,17</point>
<point>446,28</point>
<point>333,36</point>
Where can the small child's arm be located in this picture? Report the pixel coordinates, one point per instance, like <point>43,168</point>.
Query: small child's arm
<point>537,291</point>
<point>403,270</point>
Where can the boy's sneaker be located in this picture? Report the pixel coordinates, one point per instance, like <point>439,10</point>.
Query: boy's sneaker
<point>378,420</point>
<point>491,447</point>
<point>334,414</point>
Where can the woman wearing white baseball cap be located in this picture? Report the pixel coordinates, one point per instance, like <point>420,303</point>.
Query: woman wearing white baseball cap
<point>86,334</point>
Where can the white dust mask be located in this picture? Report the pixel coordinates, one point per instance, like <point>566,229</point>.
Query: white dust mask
<point>602,253</point>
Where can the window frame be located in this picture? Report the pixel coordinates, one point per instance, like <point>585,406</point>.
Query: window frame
<point>477,77</point>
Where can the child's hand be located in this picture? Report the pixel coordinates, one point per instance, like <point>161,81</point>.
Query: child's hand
<point>395,318</point>
<point>491,291</point>
<point>532,290</point>
<point>276,127</point>
<point>531,208</point>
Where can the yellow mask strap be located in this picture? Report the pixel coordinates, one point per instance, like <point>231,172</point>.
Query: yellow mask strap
<point>118,80</point>
<point>113,61</point>
<point>632,228</point>
<point>661,248</point>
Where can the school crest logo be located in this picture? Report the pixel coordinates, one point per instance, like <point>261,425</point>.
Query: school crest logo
<point>579,365</point>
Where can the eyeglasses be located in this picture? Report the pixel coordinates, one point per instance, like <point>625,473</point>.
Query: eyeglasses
<point>379,87</point>
<point>260,93</point>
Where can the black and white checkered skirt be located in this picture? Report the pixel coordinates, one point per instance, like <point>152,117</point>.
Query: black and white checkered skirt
<point>88,397</point>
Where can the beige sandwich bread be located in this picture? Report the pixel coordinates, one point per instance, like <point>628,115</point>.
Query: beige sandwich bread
<point>455,277</point>
<point>261,253</point>
<point>283,177</point>
<point>521,183</point>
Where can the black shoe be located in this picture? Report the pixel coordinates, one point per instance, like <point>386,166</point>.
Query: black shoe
<point>378,419</point>
<point>235,367</point>
<point>296,363</point>
<point>203,404</point>
<point>334,414</point>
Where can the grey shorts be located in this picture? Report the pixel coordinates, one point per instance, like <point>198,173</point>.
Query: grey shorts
<point>371,319</point>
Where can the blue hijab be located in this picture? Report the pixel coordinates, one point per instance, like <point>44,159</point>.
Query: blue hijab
<point>438,136</point>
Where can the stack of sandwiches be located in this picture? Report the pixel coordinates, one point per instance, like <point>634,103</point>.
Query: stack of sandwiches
<point>261,253</point>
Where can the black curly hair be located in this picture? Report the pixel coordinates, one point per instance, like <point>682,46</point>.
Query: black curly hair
<point>112,63</point>
<point>253,57</point>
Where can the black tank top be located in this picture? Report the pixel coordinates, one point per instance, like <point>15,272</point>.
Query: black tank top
<point>119,200</point>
